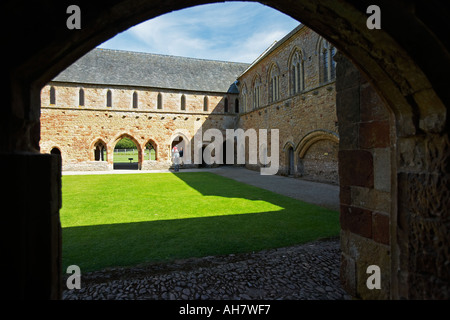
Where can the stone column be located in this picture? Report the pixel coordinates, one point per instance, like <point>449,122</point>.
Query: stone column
<point>365,174</point>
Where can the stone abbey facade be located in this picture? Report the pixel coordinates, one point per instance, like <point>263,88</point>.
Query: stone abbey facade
<point>158,101</point>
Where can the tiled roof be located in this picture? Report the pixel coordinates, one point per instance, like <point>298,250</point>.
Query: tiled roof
<point>113,67</point>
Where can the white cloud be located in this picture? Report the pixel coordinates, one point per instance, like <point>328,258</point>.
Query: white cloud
<point>237,31</point>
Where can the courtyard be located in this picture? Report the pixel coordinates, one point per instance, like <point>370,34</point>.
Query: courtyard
<point>209,222</point>
<point>126,219</point>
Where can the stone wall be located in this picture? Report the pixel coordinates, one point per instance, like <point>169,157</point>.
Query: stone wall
<point>75,129</point>
<point>365,153</point>
<point>306,120</point>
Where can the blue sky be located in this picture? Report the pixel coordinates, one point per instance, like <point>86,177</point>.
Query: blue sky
<point>230,31</point>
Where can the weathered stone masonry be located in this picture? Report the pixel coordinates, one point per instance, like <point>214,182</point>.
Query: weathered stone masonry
<point>75,130</point>
<point>304,112</point>
<point>84,107</point>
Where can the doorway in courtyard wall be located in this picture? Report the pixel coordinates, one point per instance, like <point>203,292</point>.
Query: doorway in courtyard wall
<point>290,161</point>
<point>126,154</point>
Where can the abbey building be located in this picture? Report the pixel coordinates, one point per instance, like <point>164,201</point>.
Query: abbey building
<point>159,101</point>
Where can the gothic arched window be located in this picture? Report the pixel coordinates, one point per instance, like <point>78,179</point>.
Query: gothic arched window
<point>327,65</point>
<point>256,88</point>
<point>297,75</point>
<point>274,93</point>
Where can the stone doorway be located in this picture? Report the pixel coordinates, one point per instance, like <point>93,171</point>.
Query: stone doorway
<point>291,169</point>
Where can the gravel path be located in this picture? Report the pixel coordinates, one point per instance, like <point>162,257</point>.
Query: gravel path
<point>308,271</point>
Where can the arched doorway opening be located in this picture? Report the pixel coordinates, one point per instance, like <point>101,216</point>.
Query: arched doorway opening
<point>184,149</point>
<point>127,153</point>
<point>318,156</point>
<point>291,161</point>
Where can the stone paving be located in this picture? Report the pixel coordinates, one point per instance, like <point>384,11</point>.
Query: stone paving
<point>307,271</point>
<point>303,272</point>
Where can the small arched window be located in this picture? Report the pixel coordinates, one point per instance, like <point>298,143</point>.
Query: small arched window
<point>135,100</point>
<point>81,97</point>
<point>150,151</point>
<point>160,101</point>
<point>205,103</point>
<point>100,153</point>
<point>236,105</point>
<point>109,98</point>
<point>225,105</point>
<point>52,95</point>
<point>183,102</point>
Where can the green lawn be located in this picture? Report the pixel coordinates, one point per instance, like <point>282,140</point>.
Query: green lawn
<point>122,220</point>
<point>123,157</point>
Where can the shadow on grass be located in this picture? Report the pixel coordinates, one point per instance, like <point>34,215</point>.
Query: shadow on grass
<point>125,166</point>
<point>96,247</point>
<point>100,246</point>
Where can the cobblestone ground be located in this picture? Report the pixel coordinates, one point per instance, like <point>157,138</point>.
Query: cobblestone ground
<point>308,271</point>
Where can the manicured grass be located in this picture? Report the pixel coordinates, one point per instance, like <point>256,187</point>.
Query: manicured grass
<point>123,157</point>
<point>122,220</point>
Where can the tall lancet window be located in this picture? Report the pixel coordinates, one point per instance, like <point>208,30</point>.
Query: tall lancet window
<point>135,100</point>
<point>297,75</point>
<point>52,95</point>
<point>256,88</point>
<point>274,94</point>
<point>81,97</point>
<point>108,98</point>
<point>327,64</point>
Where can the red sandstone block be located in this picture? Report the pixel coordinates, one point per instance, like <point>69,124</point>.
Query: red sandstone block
<point>345,195</point>
<point>356,168</point>
<point>374,134</point>
<point>356,220</point>
<point>372,107</point>
<point>380,227</point>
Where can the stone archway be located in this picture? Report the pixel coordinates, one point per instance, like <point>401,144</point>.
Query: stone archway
<point>395,60</point>
<point>112,144</point>
<point>181,140</point>
<point>318,156</point>
<point>289,156</point>
<point>98,150</point>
